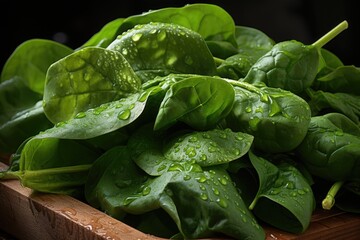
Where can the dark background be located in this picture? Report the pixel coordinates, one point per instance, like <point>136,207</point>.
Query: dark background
<point>74,22</point>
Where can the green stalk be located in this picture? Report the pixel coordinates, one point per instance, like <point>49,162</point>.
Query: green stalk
<point>331,34</point>
<point>329,200</point>
<point>218,61</point>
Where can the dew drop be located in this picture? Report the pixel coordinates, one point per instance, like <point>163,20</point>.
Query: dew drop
<point>201,179</point>
<point>161,36</point>
<point>216,191</point>
<point>253,123</point>
<point>60,124</point>
<point>204,196</point>
<point>124,51</point>
<point>289,185</point>
<point>206,135</point>
<point>193,139</point>
<point>190,152</point>
<point>203,157</point>
<point>123,115</point>
<point>222,202</point>
<point>274,191</point>
<point>146,191</point>
<point>223,181</point>
<point>248,109</point>
<point>80,115</point>
<point>176,167</point>
<point>129,200</point>
<point>187,177</point>
<point>171,60</point>
<point>136,37</point>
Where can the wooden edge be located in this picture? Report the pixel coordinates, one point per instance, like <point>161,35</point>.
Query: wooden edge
<point>49,216</point>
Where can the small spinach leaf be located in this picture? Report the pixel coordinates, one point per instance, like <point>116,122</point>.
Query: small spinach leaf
<point>282,189</point>
<point>278,119</point>
<point>330,149</point>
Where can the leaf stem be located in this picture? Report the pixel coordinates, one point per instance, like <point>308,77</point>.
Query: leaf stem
<point>218,61</point>
<point>329,200</point>
<point>331,34</point>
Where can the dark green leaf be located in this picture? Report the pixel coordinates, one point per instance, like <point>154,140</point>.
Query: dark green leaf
<point>200,102</point>
<point>31,60</point>
<point>158,49</point>
<point>284,199</point>
<point>86,79</point>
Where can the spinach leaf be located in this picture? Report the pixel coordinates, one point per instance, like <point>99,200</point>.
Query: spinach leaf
<point>282,189</point>
<point>85,79</point>
<point>208,148</point>
<point>251,45</point>
<point>175,190</point>
<point>330,149</point>
<point>97,121</point>
<point>106,35</point>
<point>54,165</point>
<point>21,126</point>
<point>210,21</point>
<point>158,49</point>
<point>21,114</point>
<point>278,119</point>
<point>322,102</point>
<point>200,102</point>
<point>344,79</point>
<point>328,63</point>
<point>30,62</point>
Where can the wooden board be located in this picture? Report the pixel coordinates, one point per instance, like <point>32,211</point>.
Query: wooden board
<point>31,216</point>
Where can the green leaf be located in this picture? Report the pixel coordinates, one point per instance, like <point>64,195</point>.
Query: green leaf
<point>343,79</point>
<point>21,126</point>
<point>106,35</point>
<point>201,102</point>
<point>289,65</point>
<point>345,103</point>
<point>97,121</point>
<point>158,49</point>
<point>55,165</point>
<point>208,148</point>
<point>207,19</point>
<point>284,198</point>
<point>86,79</point>
<point>278,119</point>
<point>21,114</point>
<point>31,60</point>
<point>330,149</point>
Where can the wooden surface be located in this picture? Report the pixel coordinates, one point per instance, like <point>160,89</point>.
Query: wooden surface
<point>49,216</point>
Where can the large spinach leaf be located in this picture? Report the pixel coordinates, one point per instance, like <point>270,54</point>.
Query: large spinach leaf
<point>158,49</point>
<point>201,102</point>
<point>86,79</point>
<point>175,189</point>
<point>210,21</point>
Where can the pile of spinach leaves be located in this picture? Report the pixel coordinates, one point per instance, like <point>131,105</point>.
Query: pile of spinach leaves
<point>178,118</point>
